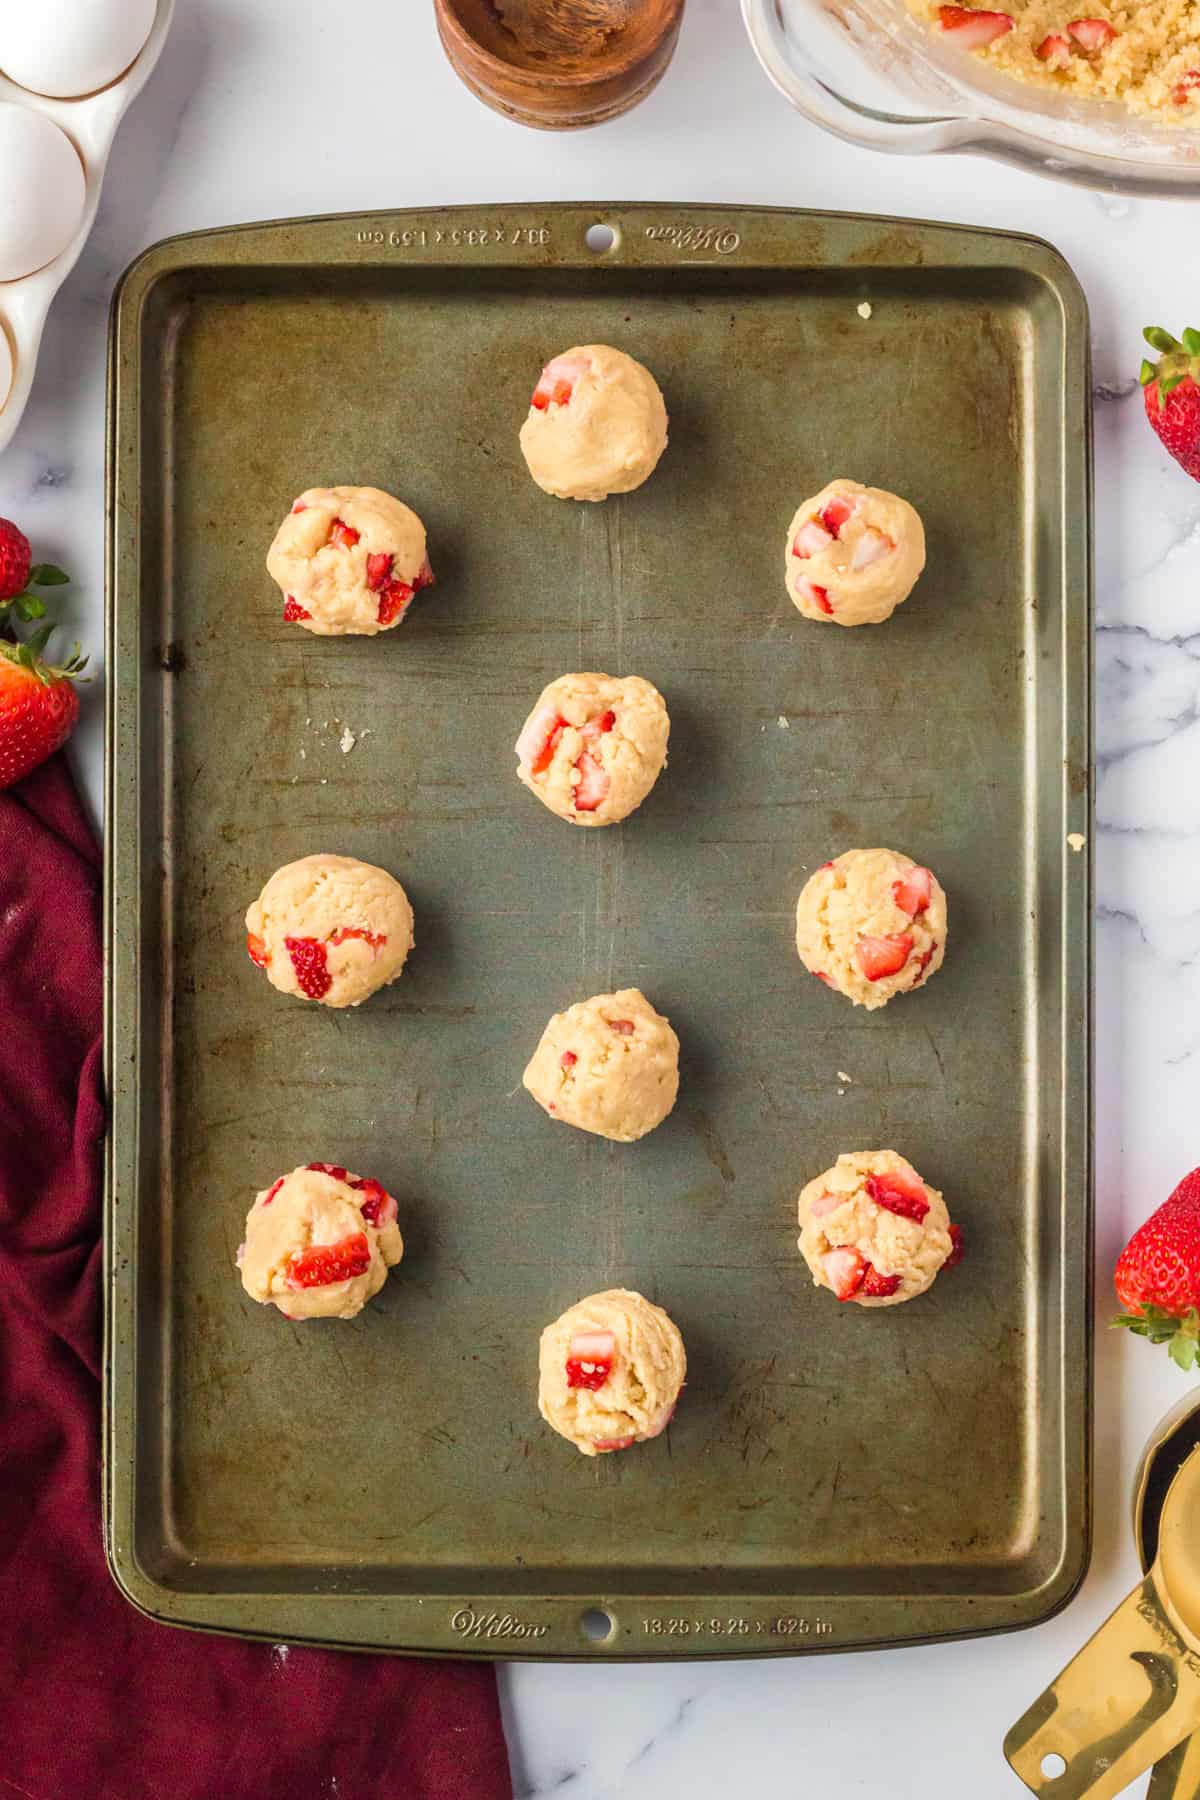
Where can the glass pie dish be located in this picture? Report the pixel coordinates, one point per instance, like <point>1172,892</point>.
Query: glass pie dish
<point>876,75</point>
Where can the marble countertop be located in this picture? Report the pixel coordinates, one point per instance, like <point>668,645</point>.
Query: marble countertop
<point>252,115</point>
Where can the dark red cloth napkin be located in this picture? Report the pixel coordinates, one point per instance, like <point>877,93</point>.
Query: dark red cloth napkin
<point>96,1702</point>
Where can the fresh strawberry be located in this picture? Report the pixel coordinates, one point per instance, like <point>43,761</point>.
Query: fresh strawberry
<point>913,892</point>
<point>973,29</point>
<point>613,1443</point>
<point>1091,34</point>
<point>597,727</point>
<point>38,704</point>
<point>292,610</point>
<point>1187,88</point>
<point>379,568</point>
<point>880,956</point>
<point>311,966</point>
<point>300,506</point>
<point>812,538</point>
<point>871,547</point>
<point>257,950</point>
<point>824,1204</point>
<point>590,1357</point>
<point>323,1264</point>
<point>1173,394</point>
<point>567,1060</point>
<point>957,1248</point>
<point>845,1271</point>
<point>924,963</point>
<point>375,939</point>
<point>16,560</point>
<point>816,596</point>
<point>378,1207</point>
<point>273,1190</point>
<point>557,381</point>
<point>879,1287</point>
<point>334,1169</point>
<point>394,601</point>
<point>594,783</point>
<point>899,1193</point>
<point>343,535</point>
<point>624,1026</point>
<point>821,976</point>
<point>1158,1275</point>
<point>837,512</point>
<point>1055,50</point>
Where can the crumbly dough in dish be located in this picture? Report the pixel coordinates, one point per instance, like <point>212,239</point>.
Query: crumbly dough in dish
<point>348,561</point>
<point>319,1243</point>
<point>597,424</point>
<point>609,1065</point>
<point>873,1232</point>
<point>594,746</point>
<point>330,928</point>
<point>872,924</point>
<point>853,553</point>
<point>1146,57</point>
<point>609,1372</point>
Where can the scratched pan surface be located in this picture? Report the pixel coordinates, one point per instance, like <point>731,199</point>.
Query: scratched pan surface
<point>834,1477</point>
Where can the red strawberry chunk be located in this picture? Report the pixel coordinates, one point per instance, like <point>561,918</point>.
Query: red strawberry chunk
<point>394,601</point>
<point>1091,34</point>
<point>879,1287</point>
<point>816,596</point>
<point>257,950</point>
<point>913,892</point>
<point>845,1271</point>
<point>824,1204</point>
<point>881,956</point>
<point>343,535</point>
<point>292,610</point>
<point>597,727</point>
<point>925,962</point>
<point>624,1026</point>
<point>334,1169</point>
<point>300,506</point>
<point>811,539</point>
<point>594,783</point>
<point>836,513</point>
<point>1055,50</point>
<point>613,1443</point>
<point>425,575</point>
<point>311,966</point>
<point>821,976</point>
<point>379,569</point>
<point>567,1060</point>
<point>590,1358</point>
<point>378,1208</point>
<point>545,755</point>
<point>376,939</point>
<point>899,1193</point>
<point>557,381</point>
<point>957,1248</point>
<point>973,29</point>
<point>1188,85</point>
<point>323,1264</point>
<point>273,1190</point>
<point>871,547</point>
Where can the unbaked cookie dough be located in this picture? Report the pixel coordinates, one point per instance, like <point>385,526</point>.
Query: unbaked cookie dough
<point>319,1243</point>
<point>594,746</point>
<point>609,1065</point>
<point>853,554</point>
<point>330,928</point>
<point>873,1232</point>
<point>597,424</point>
<point>1144,55</point>
<point>349,560</point>
<point>872,924</point>
<point>609,1372</point>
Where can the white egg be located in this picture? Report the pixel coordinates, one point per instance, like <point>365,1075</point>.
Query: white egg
<point>71,47</point>
<point>6,366</point>
<point>41,191</point>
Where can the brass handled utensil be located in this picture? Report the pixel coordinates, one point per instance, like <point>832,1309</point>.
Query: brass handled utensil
<point>1133,1693</point>
<point>1176,1776</point>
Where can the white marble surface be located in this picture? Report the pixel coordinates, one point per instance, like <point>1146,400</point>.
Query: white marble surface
<point>260,110</point>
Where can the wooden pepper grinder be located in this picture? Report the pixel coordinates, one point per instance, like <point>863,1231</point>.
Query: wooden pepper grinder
<point>558,64</point>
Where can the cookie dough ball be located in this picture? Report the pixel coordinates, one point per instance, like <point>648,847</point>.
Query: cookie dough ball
<point>873,1232</point>
<point>853,554</point>
<point>594,746</point>
<point>330,928</point>
<point>608,1065</point>
<point>349,561</point>
<point>609,1372</point>
<point>319,1243</point>
<point>872,924</point>
<point>597,424</point>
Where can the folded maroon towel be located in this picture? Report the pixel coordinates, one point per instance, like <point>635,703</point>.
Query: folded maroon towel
<point>96,1702</point>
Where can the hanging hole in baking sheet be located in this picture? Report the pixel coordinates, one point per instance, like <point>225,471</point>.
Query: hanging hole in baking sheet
<point>596,1624</point>
<point>600,238</point>
<point>1053,1765</point>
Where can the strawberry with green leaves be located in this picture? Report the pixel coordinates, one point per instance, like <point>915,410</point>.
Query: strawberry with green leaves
<point>38,704</point>
<point>19,573</point>
<point>1172,391</point>
<point>1158,1275</point>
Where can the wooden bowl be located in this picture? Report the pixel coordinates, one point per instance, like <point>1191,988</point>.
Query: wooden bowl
<point>559,64</point>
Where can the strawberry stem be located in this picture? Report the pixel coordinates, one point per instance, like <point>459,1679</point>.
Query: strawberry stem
<point>1181,1335</point>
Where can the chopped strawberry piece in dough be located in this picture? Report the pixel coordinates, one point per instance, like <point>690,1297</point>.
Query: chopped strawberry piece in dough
<point>343,535</point>
<point>925,962</point>
<point>257,950</point>
<point>312,968</point>
<point>273,1190</point>
<point>898,1193</point>
<point>879,1287</point>
<point>1055,50</point>
<point>292,610</point>
<point>613,1443</point>
<point>323,1264</point>
<point>557,382</point>
<point>973,29</point>
<point>539,739</point>
<point>871,547</point>
<point>1091,34</point>
<point>425,576</point>
<point>913,892</point>
<point>394,601</point>
<point>1187,88</point>
<point>837,512</point>
<point>567,1060</point>
<point>379,569</point>
<point>816,596</point>
<point>624,1026</point>
<point>821,976</point>
<point>597,727</point>
<point>376,939</point>
<point>826,1203</point>
<point>844,1270</point>
<point>590,1357</point>
<point>958,1248</point>
<point>594,783</point>
<point>300,506</point>
<point>811,538</point>
<point>378,1207</point>
<point>882,956</point>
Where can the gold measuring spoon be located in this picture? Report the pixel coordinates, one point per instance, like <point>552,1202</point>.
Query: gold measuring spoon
<point>1133,1692</point>
<point>1176,1776</point>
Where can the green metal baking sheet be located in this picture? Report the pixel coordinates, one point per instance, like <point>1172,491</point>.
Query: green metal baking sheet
<point>834,1477</point>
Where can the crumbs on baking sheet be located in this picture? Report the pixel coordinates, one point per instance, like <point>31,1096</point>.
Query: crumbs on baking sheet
<point>864,309</point>
<point>1076,840</point>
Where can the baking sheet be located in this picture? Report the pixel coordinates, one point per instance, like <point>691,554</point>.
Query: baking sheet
<point>834,1477</point>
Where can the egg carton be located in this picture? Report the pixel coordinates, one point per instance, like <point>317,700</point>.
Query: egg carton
<point>91,125</point>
